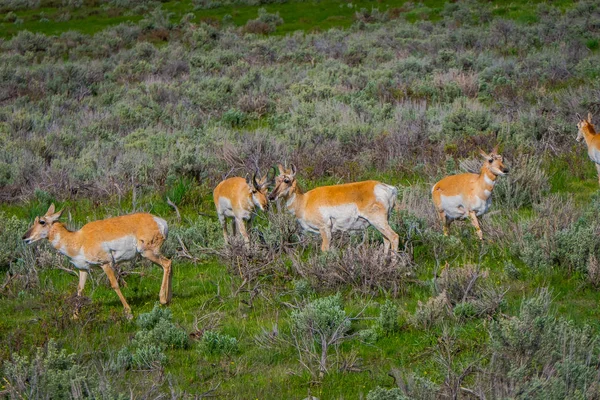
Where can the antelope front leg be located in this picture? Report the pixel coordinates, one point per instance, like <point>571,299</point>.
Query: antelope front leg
<point>475,222</point>
<point>444,221</point>
<point>110,273</point>
<point>83,274</point>
<point>242,228</point>
<point>166,288</point>
<point>223,222</point>
<point>326,236</point>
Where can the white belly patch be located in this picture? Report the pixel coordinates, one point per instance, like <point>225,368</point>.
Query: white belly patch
<point>226,209</point>
<point>122,249</point>
<point>456,207</point>
<point>343,218</point>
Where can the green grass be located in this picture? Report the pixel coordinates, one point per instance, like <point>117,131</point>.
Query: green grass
<point>304,16</point>
<point>253,372</point>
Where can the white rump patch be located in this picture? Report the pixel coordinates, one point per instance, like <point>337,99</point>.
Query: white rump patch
<point>163,227</point>
<point>386,194</point>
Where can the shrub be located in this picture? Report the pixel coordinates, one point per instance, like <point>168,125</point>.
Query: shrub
<point>265,23</point>
<point>538,356</point>
<point>364,268</point>
<point>431,313</point>
<point>216,343</point>
<point>10,17</point>
<point>469,289</point>
<point>157,333</point>
<point>51,374</point>
<point>11,231</point>
<point>463,121</point>
<point>388,317</point>
<point>526,184</point>
<point>316,328</point>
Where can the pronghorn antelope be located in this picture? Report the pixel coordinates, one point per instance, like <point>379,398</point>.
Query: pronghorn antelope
<point>468,195</point>
<point>347,207</point>
<point>106,243</point>
<point>236,198</point>
<point>586,131</point>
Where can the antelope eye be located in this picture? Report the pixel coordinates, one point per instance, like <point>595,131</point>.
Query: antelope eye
<point>42,222</point>
<point>286,180</point>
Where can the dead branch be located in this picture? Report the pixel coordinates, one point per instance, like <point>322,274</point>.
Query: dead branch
<point>169,202</point>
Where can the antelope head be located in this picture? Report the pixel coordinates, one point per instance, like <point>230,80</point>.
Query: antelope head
<point>494,162</point>
<point>258,191</point>
<point>42,225</point>
<point>583,126</point>
<point>285,182</point>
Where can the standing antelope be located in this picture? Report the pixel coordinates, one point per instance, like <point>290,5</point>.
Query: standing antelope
<point>347,207</point>
<point>468,195</point>
<point>586,131</point>
<point>106,243</point>
<point>236,198</point>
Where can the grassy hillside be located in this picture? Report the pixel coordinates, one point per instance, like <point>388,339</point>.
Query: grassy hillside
<point>105,117</point>
<point>91,16</point>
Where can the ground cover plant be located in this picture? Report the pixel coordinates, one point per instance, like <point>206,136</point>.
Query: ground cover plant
<point>105,117</point>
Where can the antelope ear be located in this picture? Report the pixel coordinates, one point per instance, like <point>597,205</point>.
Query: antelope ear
<point>54,217</point>
<point>50,210</point>
<point>495,150</point>
<point>589,117</point>
<point>248,180</point>
<point>293,170</point>
<point>281,169</point>
<point>485,155</point>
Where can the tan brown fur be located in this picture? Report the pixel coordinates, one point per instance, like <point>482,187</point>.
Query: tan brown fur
<point>359,197</point>
<point>587,131</point>
<point>88,246</point>
<point>243,196</point>
<point>467,195</point>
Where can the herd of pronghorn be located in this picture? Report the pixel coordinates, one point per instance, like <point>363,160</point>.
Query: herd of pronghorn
<point>323,210</point>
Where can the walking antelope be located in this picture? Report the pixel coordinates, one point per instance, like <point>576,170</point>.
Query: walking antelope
<point>586,131</point>
<point>347,207</point>
<point>236,198</point>
<point>468,195</point>
<point>106,243</point>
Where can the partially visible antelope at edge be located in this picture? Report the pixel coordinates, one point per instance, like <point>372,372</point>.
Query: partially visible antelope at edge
<point>237,198</point>
<point>106,243</point>
<point>468,195</point>
<point>339,208</point>
<point>592,140</point>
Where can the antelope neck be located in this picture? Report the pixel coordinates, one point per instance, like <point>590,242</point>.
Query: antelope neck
<point>487,180</point>
<point>294,198</point>
<point>588,134</point>
<point>62,239</point>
